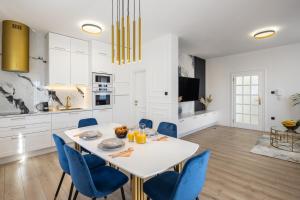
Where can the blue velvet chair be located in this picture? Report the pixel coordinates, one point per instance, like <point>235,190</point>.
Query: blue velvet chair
<point>84,123</point>
<point>184,186</point>
<point>96,183</point>
<point>91,160</point>
<point>167,128</point>
<point>148,123</point>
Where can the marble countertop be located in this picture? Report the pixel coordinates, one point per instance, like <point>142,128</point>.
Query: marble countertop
<point>187,115</point>
<point>14,114</point>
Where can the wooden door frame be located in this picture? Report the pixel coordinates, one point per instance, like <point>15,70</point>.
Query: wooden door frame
<point>263,97</point>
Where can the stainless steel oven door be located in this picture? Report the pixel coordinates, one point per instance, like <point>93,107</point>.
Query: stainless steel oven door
<point>102,100</point>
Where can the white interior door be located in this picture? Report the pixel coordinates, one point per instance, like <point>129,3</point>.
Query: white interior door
<point>248,100</point>
<point>139,97</point>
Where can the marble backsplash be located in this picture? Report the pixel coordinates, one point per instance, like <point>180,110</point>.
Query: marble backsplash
<point>22,92</point>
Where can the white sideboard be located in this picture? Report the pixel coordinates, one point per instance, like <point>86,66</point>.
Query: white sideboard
<point>192,122</point>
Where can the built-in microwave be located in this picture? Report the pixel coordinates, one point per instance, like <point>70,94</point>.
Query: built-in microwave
<point>102,80</point>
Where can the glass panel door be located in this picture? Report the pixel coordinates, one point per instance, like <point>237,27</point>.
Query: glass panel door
<point>247,101</point>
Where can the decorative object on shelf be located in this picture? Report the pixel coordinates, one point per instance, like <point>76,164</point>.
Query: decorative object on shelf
<point>123,47</point>
<point>39,58</point>
<point>295,99</point>
<point>206,101</point>
<point>291,125</point>
<point>121,132</point>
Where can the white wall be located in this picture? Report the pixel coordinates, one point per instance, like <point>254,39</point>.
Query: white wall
<point>160,61</point>
<point>282,71</point>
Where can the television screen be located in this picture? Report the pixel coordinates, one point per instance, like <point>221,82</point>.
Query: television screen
<point>189,89</point>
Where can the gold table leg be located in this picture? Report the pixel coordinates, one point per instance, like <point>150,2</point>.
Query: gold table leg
<point>77,147</point>
<point>179,167</point>
<point>137,191</point>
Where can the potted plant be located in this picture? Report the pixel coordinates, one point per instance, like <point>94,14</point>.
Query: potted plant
<point>206,101</point>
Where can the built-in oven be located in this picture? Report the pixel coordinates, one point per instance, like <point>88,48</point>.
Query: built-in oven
<point>102,91</point>
<point>102,80</point>
<point>102,100</point>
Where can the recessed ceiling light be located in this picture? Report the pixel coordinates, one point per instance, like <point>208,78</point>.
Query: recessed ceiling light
<point>264,33</point>
<point>92,29</point>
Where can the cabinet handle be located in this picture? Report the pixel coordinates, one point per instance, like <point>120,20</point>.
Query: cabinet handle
<point>60,48</point>
<point>19,118</point>
<point>17,128</point>
<point>80,52</point>
<point>182,120</point>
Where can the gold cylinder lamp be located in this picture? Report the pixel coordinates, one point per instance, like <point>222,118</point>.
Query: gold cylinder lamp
<point>15,46</point>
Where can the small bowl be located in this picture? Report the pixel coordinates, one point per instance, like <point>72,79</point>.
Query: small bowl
<point>121,132</point>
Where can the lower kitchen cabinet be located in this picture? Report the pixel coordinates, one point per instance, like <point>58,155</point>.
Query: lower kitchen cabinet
<point>121,109</point>
<point>37,141</point>
<point>103,116</point>
<point>11,146</point>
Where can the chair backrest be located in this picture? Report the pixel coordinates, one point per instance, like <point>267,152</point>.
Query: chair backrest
<point>192,178</point>
<point>148,123</point>
<point>167,128</point>
<point>63,161</point>
<point>87,122</point>
<point>80,173</point>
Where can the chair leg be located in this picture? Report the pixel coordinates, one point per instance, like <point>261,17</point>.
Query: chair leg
<point>71,191</point>
<point>122,193</point>
<point>75,195</point>
<point>94,198</point>
<point>59,185</point>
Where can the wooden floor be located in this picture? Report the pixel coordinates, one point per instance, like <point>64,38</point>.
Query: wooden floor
<point>233,173</point>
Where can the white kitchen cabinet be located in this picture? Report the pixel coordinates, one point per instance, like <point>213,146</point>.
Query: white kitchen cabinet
<point>68,61</point>
<point>11,146</point>
<point>59,67</point>
<point>79,46</point>
<point>103,116</point>
<point>121,109</point>
<point>79,69</point>
<point>69,119</point>
<point>37,141</point>
<point>59,42</point>
<point>101,57</point>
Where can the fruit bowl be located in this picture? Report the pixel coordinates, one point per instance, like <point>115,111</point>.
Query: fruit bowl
<point>291,125</point>
<point>121,132</point>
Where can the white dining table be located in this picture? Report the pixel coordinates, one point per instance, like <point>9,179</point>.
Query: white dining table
<point>146,160</point>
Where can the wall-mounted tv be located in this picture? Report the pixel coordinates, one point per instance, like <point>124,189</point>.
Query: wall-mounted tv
<point>189,89</point>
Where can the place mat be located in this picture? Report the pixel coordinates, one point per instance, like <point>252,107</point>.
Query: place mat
<point>162,138</point>
<point>125,153</point>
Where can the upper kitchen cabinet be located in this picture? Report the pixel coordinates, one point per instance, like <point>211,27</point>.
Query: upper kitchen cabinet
<point>59,42</point>
<point>68,60</point>
<point>79,62</point>
<point>101,61</point>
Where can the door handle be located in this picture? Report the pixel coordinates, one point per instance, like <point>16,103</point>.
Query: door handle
<point>135,102</point>
<point>259,101</point>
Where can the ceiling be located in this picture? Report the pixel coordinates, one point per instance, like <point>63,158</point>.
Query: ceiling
<point>206,28</point>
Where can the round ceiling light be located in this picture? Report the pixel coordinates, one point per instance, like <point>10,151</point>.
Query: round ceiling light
<point>264,34</point>
<point>91,29</point>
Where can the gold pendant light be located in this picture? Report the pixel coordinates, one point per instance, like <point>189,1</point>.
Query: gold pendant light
<point>112,34</point>
<point>123,46</point>
<point>140,33</point>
